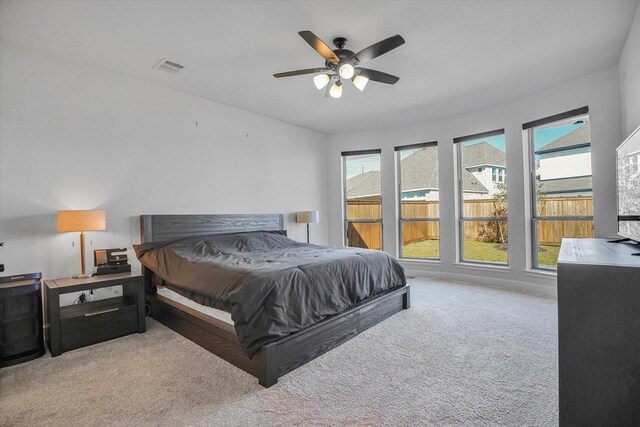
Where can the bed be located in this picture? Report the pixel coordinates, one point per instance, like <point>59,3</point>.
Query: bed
<point>265,357</point>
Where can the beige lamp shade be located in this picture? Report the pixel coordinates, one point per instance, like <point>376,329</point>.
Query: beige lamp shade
<point>307,217</point>
<point>81,221</point>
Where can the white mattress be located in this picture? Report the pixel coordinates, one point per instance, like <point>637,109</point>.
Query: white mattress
<point>209,311</point>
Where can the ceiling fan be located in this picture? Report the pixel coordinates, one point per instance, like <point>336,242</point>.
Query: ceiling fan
<point>342,64</point>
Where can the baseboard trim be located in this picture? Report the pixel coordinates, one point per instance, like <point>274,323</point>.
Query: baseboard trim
<point>546,290</point>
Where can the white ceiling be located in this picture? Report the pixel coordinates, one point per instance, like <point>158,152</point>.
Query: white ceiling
<point>458,56</point>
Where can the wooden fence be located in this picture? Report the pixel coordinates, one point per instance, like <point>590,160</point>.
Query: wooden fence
<point>369,235</point>
<point>365,235</point>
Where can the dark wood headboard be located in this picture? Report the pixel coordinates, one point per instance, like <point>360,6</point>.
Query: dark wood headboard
<point>170,227</point>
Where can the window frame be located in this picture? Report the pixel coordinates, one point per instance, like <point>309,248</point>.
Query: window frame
<point>530,128</point>
<point>402,220</point>
<point>346,221</point>
<point>461,219</point>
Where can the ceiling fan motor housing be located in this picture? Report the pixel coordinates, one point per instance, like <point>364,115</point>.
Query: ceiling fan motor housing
<point>340,42</point>
<point>341,52</point>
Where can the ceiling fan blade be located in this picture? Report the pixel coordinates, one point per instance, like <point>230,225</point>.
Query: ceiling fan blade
<point>300,72</point>
<point>377,49</point>
<point>320,46</point>
<point>377,76</point>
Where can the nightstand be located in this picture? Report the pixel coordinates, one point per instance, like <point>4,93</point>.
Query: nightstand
<point>87,323</point>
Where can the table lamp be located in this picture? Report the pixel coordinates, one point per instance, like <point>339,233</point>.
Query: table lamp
<point>307,217</point>
<point>73,221</point>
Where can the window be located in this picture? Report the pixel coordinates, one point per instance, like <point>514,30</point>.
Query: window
<point>362,199</point>
<point>419,200</point>
<point>482,198</point>
<point>561,186</point>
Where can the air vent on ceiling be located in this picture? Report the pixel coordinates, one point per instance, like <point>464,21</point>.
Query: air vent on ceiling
<point>169,66</point>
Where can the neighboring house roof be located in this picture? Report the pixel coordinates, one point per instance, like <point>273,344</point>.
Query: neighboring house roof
<point>414,177</point>
<point>580,137</point>
<point>470,183</point>
<point>566,185</point>
<point>363,185</point>
<point>483,154</point>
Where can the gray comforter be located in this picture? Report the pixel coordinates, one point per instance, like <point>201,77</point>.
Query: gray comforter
<point>272,286</point>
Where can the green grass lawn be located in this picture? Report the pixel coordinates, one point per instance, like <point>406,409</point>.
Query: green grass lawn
<point>423,249</point>
<point>485,251</point>
<point>548,256</point>
<point>478,251</point>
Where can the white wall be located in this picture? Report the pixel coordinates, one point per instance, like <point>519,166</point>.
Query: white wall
<point>630,78</point>
<point>78,137</point>
<point>566,166</point>
<point>74,136</point>
<point>599,91</point>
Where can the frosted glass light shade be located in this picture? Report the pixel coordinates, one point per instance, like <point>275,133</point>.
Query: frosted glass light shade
<point>346,71</point>
<point>360,82</point>
<point>321,80</point>
<point>336,90</point>
<point>81,221</point>
<point>307,217</point>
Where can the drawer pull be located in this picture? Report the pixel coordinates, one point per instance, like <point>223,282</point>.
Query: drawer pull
<point>101,312</point>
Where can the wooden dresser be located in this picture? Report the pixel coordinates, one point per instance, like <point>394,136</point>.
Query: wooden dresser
<point>599,333</point>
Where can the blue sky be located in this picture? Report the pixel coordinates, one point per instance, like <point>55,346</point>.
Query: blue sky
<point>543,137</point>
<point>497,141</point>
<point>359,164</point>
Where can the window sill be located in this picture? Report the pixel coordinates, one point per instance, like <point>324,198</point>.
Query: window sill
<point>474,266</point>
<point>421,261</point>
<point>541,273</point>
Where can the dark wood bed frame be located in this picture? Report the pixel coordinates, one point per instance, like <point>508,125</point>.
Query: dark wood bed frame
<point>276,358</point>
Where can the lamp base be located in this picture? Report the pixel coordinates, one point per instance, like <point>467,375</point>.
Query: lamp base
<point>82,276</point>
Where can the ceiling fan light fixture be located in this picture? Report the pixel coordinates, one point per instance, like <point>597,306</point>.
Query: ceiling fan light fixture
<point>336,90</point>
<point>346,71</point>
<point>321,80</point>
<point>340,64</point>
<point>360,82</point>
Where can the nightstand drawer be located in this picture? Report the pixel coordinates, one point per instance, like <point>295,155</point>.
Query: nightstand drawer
<point>97,326</point>
<point>77,325</point>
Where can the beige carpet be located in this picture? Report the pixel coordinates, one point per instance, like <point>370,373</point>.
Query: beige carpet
<point>462,355</point>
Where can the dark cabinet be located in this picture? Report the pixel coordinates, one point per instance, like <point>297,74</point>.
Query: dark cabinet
<point>20,320</point>
<point>87,323</point>
<point>599,333</point>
